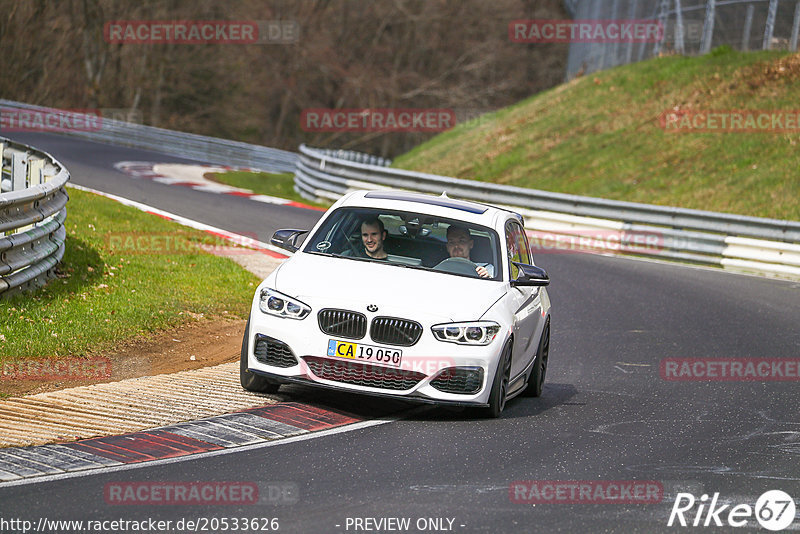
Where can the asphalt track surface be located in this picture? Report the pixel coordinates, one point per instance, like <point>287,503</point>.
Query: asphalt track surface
<point>606,413</point>
<point>92,165</point>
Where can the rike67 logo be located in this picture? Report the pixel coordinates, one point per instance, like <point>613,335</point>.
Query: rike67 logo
<point>774,510</point>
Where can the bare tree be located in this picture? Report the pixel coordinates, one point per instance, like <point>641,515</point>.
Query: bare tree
<point>452,54</point>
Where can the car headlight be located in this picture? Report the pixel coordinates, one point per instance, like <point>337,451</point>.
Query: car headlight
<point>469,333</point>
<point>276,303</point>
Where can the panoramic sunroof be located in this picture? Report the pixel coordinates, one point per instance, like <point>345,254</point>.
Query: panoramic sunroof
<point>425,199</point>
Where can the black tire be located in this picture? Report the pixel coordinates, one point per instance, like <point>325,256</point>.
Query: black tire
<point>539,371</point>
<point>251,381</point>
<point>497,397</point>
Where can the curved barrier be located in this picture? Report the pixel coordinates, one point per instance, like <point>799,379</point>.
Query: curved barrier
<point>33,203</point>
<point>561,222</point>
<point>181,144</point>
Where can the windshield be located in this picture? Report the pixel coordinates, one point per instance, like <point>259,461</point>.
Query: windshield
<point>408,239</point>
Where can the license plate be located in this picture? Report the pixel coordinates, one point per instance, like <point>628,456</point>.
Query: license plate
<point>364,353</point>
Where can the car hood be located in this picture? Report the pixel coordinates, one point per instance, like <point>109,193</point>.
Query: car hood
<point>323,281</point>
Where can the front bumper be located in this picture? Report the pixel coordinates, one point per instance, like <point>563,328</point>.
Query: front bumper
<point>336,387</point>
<point>425,365</point>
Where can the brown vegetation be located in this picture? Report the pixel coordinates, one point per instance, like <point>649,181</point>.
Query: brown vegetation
<point>351,54</point>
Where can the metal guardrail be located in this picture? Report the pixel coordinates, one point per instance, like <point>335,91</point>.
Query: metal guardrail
<point>181,144</point>
<point>33,202</point>
<point>556,221</point>
<point>352,155</point>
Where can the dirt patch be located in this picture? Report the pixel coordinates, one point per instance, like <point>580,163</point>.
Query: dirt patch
<point>765,75</point>
<point>201,343</point>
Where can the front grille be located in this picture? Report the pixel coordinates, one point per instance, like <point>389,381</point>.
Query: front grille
<point>343,323</point>
<point>393,331</point>
<point>363,375</point>
<point>273,352</point>
<point>464,380</point>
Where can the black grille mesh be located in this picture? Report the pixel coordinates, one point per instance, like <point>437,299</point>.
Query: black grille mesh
<point>273,352</point>
<point>393,331</point>
<point>363,375</point>
<point>343,323</point>
<point>464,380</point>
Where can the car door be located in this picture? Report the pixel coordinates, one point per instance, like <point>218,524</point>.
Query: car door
<point>525,302</point>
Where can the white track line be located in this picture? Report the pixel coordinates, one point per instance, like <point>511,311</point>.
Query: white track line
<point>236,238</point>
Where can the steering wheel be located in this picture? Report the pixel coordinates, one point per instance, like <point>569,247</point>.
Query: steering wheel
<point>458,266</point>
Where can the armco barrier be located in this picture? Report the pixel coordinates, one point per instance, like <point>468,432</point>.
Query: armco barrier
<point>730,241</point>
<point>181,144</point>
<point>32,212</point>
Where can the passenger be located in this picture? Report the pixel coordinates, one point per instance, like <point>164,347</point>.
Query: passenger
<point>373,234</point>
<point>459,245</point>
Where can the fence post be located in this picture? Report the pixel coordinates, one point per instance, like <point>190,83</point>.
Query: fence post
<point>748,25</point>
<point>35,168</point>
<point>642,46</point>
<point>708,26</point>
<point>5,184</point>
<point>679,31</point>
<point>632,16</point>
<point>613,50</point>
<point>19,171</point>
<point>795,27</point>
<point>769,29</point>
<point>663,7</point>
<point>597,13</point>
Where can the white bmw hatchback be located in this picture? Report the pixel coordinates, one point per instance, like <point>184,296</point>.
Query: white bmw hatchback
<point>405,295</point>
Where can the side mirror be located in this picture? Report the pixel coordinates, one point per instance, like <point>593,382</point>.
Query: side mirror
<point>287,239</point>
<point>530,275</point>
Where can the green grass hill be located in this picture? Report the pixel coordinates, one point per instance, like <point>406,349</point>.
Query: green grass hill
<point>601,135</point>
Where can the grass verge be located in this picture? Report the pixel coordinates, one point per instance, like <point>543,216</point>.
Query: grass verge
<point>126,274</point>
<point>265,183</point>
<point>600,136</point>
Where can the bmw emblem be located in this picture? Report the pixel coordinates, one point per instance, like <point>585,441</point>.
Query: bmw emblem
<point>372,308</point>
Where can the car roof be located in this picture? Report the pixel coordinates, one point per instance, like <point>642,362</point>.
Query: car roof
<point>442,206</point>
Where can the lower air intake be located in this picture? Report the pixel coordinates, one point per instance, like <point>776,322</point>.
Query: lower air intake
<point>463,380</point>
<point>363,375</point>
<point>273,352</point>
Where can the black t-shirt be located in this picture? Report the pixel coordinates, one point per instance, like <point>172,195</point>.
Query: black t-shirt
<point>359,253</point>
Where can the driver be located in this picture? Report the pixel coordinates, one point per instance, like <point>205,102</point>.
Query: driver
<point>459,245</point>
<point>373,234</point>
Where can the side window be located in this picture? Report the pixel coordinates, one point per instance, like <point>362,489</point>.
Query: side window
<point>517,246</point>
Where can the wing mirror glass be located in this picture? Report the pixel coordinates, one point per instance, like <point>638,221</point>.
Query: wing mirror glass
<point>287,239</point>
